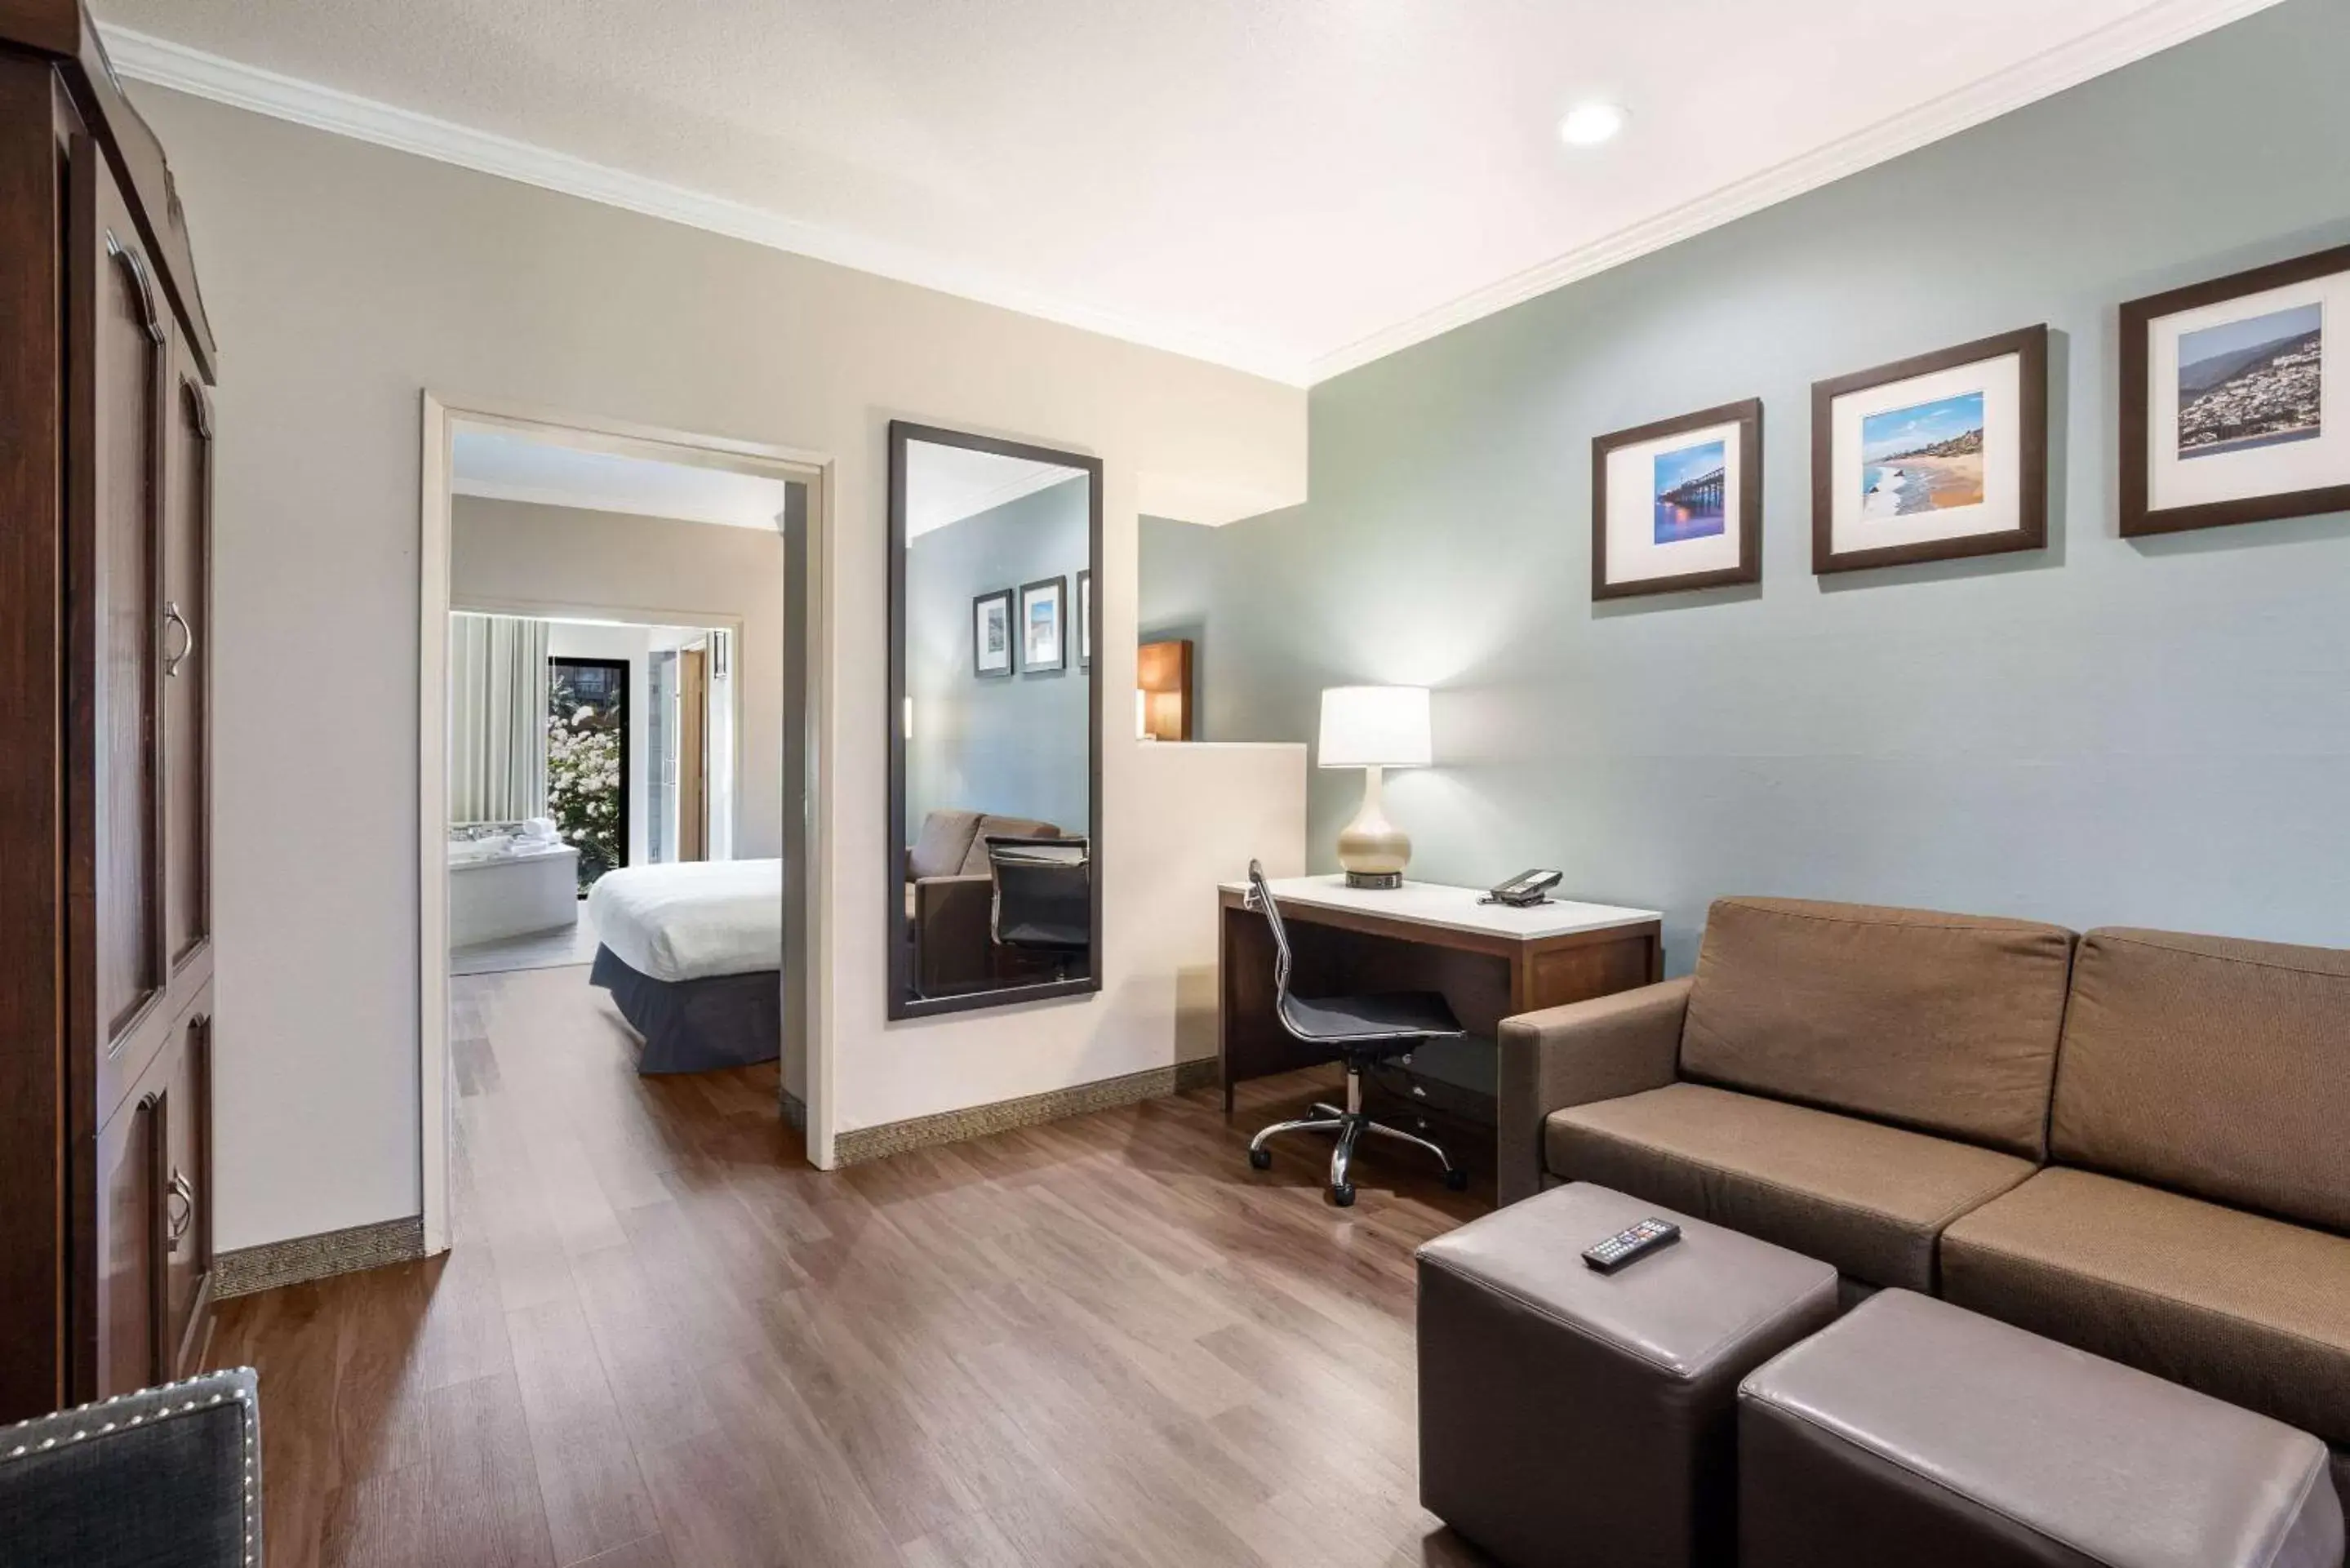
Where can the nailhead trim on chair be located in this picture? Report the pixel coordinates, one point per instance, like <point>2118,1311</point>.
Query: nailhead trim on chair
<point>157,1404</point>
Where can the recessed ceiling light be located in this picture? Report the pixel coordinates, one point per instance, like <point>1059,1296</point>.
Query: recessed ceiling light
<point>1589,124</point>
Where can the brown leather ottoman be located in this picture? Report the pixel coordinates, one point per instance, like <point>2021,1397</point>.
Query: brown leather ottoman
<point>1920,1433</point>
<point>1570,1417</point>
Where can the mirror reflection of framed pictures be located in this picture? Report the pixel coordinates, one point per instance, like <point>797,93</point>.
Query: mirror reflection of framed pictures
<point>2236,398</point>
<point>1043,615</point>
<point>991,633</point>
<point>1679,504</point>
<point>1085,621</point>
<point>1934,458</point>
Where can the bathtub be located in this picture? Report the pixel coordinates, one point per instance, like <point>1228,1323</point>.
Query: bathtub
<point>500,887</point>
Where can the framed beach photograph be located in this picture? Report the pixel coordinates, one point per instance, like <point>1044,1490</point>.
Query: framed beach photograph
<point>1677,504</point>
<point>1085,621</point>
<point>1934,458</point>
<point>1044,616</point>
<point>2235,407</point>
<point>991,633</point>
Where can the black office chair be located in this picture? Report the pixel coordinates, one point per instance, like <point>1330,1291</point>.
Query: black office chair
<point>1044,899</point>
<point>1362,1030</point>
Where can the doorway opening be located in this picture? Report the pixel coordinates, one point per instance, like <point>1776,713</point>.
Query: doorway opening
<point>632,762</point>
<point>621,675</point>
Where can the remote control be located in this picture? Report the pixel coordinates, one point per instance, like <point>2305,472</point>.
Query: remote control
<point>1638,1241</point>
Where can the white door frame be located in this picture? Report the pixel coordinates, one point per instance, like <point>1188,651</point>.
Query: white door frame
<point>443,417</point>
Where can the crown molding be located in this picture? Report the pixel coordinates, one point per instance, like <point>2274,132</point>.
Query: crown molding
<point>144,57</point>
<point>2118,44</point>
<point>183,69</point>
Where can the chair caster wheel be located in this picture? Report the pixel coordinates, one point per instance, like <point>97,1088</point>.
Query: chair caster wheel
<point>1261,1160</point>
<point>1456,1180</point>
<point>1343,1195</point>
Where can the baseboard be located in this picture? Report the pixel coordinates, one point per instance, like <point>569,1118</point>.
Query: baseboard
<point>301,1258</point>
<point>860,1143</point>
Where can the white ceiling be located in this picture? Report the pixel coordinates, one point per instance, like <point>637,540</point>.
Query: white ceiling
<point>509,466</point>
<point>1289,187</point>
<point>947,483</point>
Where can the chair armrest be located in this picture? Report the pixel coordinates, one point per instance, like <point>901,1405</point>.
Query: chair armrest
<point>1597,1050</point>
<point>950,932</point>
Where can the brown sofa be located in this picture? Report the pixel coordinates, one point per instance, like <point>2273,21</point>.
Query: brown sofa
<point>948,895</point>
<point>2143,1150</point>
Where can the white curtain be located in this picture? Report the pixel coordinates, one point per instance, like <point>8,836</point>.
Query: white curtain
<point>497,718</point>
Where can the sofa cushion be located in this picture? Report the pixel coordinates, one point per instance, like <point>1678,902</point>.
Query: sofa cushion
<point>943,846</point>
<point>1868,1198</point>
<point>974,861</point>
<point>2216,1067</point>
<point>2247,1309</point>
<point>1947,1024</point>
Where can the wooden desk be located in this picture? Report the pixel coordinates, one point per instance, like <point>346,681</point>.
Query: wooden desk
<point>1489,961</point>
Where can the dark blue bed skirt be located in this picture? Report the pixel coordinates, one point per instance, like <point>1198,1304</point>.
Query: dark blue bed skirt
<point>693,1025</point>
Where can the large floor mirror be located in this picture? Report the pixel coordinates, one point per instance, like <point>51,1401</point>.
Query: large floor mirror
<point>994,891</point>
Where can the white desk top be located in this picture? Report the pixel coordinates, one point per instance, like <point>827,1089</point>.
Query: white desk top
<point>1434,904</point>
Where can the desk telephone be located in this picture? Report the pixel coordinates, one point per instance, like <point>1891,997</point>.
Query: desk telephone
<point>1525,890</point>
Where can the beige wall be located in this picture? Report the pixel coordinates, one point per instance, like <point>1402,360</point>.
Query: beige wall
<point>344,279</point>
<point>519,555</point>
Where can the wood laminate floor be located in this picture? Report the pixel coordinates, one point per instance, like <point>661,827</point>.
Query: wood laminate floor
<point>663,1341</point>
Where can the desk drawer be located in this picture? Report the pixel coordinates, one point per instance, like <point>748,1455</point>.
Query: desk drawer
<point>1452,1077</point>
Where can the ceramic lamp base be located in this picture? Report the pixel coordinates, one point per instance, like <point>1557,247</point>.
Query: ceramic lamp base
<point>1372,850</point>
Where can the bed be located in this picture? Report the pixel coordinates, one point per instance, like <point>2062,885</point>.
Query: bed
<point>692,955</point>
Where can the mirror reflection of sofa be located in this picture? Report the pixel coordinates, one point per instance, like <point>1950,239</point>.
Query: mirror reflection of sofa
<point>949,894</point>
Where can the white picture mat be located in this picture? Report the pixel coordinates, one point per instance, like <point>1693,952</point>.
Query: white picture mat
<point>1633,554</point>
<point>1048,656</point>
<point>980,611</point>
<point>1999,380</point>
<point>2173,480</point>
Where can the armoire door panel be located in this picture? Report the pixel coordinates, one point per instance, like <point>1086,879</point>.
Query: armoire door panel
<point>187,672</point>
<point>130,1262</point>
<point>126,344</point>
<point>186,1178</point>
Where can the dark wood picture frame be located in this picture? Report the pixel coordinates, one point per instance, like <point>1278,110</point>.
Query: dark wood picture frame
<point>2030,345</point>
<point>901,1002</point>
<point>1748,417</point>
<point>1060,585</point>
<point>1011,637</point>
<point>2140,518</point>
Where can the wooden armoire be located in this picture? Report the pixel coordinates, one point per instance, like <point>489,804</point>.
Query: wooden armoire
<point>105,964</point>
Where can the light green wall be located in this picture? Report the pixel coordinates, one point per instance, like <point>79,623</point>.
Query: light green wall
<point>2153,732</point>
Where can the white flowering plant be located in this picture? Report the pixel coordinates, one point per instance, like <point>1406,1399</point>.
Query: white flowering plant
<point>583,778</point>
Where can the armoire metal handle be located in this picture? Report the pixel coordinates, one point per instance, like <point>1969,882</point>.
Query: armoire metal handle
<point>172,617</point>
<point>182,1192</point>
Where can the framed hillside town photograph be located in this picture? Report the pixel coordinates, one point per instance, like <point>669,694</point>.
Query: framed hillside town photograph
<point>1933,458</point>
<point>1677,504</point>
<point>2235,398</point>
<point>1043,630</point>
<point>991,633</point>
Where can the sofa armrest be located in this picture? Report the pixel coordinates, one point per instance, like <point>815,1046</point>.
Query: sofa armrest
<point>1597,1050</point>
<point>952,942</point>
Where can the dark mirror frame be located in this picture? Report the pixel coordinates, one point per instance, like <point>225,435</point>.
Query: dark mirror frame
<point>903,1003</point>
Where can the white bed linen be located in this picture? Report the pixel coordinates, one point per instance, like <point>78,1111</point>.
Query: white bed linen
<point>694,919</point>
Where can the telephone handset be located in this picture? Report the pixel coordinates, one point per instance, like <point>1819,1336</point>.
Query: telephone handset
<point>1523,890</point>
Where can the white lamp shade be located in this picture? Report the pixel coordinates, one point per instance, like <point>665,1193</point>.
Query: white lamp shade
<point>1374,727</point>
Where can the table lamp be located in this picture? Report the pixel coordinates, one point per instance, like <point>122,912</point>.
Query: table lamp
<point>1373,727</point>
